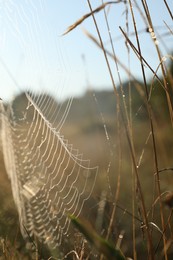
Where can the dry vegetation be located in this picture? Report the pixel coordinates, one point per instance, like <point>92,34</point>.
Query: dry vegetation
<point>132,142</point>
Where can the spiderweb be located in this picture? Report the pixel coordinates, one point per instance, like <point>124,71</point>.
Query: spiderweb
<point>50,179</point>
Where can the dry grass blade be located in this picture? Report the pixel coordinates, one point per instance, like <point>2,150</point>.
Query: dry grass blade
<point>130,144</point>
<point>168,95</point>
<point>168,27</point>
<point>156,227</point>
<point>122,65</point>
<point>168,221</point>
<point>166,169</point>
<point>169,10</point>
<point>91,37</point>
<point>141,57</point>
<point>142,31</point>
<point>149,238</point>
<point>98,9</point>
<point>104,52</point>
<point>73,252</point>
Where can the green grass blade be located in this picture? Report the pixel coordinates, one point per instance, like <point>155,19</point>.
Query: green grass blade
<point>102,245</point>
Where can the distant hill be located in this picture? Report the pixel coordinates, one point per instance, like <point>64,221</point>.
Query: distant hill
<point>81,108</point>
<point>95,108</point>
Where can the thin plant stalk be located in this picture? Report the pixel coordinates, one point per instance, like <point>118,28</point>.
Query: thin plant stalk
<point>169,10</point>
<point>151,126</point>
<point>132,152</point>
<point>153,36</point>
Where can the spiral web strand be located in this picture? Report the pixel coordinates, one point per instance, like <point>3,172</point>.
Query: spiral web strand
<point>49,178</point>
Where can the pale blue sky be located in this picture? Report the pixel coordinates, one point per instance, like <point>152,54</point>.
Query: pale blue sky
<point>34,55</point>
